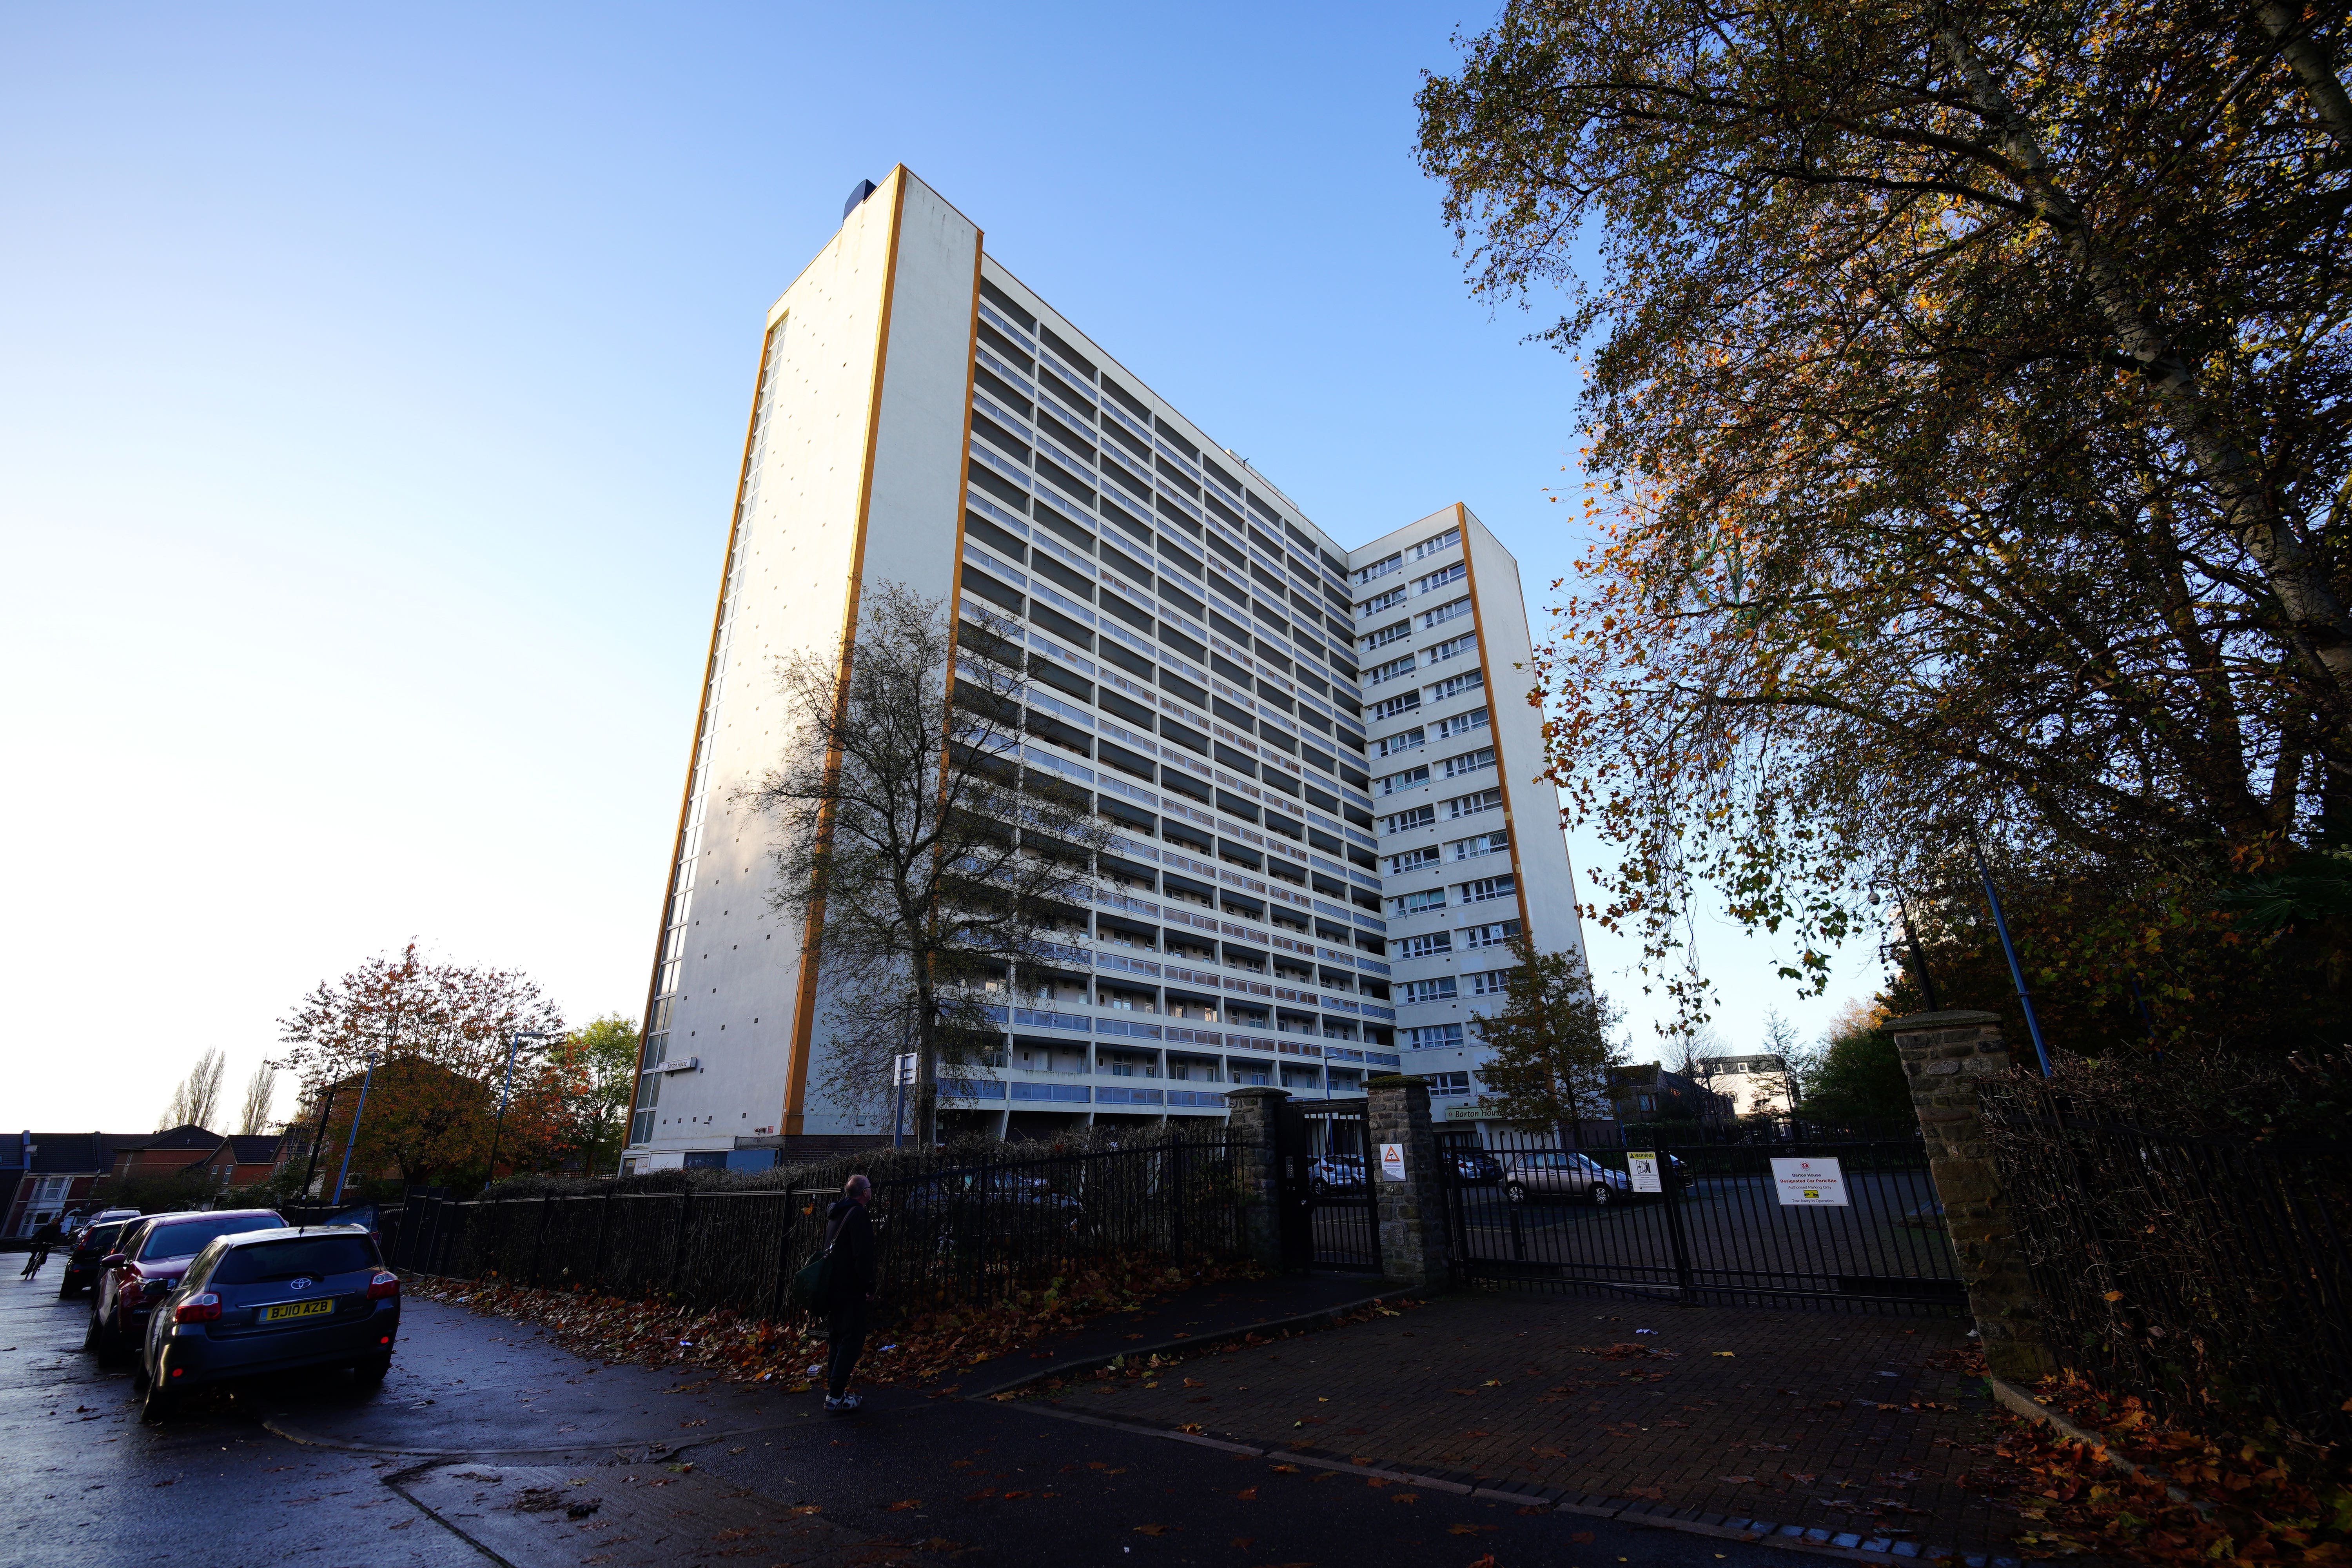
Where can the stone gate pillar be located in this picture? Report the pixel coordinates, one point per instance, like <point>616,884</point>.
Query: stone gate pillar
<point>1416,1242</point>
<point>1948,1057</point>
<point>1250,1122</point>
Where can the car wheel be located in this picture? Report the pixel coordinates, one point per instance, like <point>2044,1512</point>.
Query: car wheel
<point>65,1290</point>
<point>90,1336</point>
<point>158,1403</point>
<point>1515,1193</point>
<point>1603,1194</point>
<point>372,1370</point>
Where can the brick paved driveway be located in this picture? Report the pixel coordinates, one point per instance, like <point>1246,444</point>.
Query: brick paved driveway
<point>1840,1421</point>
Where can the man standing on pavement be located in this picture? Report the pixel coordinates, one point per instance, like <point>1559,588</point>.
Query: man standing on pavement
<point>849,1238</point>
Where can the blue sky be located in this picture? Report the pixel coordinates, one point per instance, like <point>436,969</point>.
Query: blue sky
<point>372,381</point>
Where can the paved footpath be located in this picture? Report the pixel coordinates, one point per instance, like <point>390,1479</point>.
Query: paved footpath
<point>1844,1424</point>
<point>488,1444</point>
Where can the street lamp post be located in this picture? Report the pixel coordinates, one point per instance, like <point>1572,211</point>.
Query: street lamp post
<point>361,1110</point>
<point>2008,950</point>
<point>498,1128</point>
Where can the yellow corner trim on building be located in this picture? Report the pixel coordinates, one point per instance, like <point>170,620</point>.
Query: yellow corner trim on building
<point>1502,772</point>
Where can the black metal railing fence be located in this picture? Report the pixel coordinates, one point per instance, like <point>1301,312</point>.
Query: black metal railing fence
<point>1544,1210</point>
<point>962,1228</point>
<point>2208,1277</point>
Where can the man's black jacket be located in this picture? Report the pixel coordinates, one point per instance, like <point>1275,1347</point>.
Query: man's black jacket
<point>850,1236</point>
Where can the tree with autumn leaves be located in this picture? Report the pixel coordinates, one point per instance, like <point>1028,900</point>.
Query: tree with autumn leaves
<point>1968,446</point>
<point>438,1036</point>
<point>1550,1043</point>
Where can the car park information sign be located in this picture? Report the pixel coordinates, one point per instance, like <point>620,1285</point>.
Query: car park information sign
<point>1808,1184</point>
<point>1644,1168</point>
<point>1392,1162</point>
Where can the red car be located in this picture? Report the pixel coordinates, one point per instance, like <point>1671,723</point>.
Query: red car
<point>150,1258</point>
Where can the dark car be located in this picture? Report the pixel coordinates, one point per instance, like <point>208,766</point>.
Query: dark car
<point>1476,1168</point>
<point>91,1243</point>
<point>272,1301</point>
<point>971,1211</point>
<point>1672,1171</point>
<point>1335,1173</point>
<point>150,1255</point>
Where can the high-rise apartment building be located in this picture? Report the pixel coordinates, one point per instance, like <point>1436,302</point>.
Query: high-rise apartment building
<point>1310,753</point>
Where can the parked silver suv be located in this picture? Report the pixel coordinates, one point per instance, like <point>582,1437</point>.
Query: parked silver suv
<point>1561,1174</point>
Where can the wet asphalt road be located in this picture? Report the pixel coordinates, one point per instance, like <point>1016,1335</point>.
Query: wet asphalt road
<point>488,1444</point>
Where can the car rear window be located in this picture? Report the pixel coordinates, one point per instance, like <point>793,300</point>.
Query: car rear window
<point>313,1254</point>
<point>188,1237</point>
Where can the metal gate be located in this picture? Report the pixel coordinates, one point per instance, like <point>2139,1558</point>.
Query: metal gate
<point>1328,1219</point>
<point>1726,1226</point>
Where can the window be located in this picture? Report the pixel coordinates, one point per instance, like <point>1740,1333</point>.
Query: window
<point>1396,632</point>
<point>1412,859</point>
<point>1455,685</point>
<point>1493,935</point>
<point>1438,990</point>
<point>1405,779</point>
<point>185,1239</point>
<point>1389,671</point>
<point>1472,804</point>
<point>1490,983</point>
<point>317,1255</point>
<point>1461,723</point>
<point>1466,643</point>
<point>1413,903</point>
<point>1425,946</point>
<point>1488,887</point>
<point>1432,1037</point>
<point>1444,577</point>
<point>1402,741</point>
<point>1399,822</point>
<point>1435,542</point>
<point>1453,610</point>
<point>1388,601</point>
<point>1380,568</point>
<point>1389,708</point>
<point>1485,843</point>
<point>1442,1084</point>
<point>1470,762</point>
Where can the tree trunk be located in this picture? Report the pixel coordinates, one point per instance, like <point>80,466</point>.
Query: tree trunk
<point>2315,615</point>
<point>2303,57</point>
<point>926,1095</point>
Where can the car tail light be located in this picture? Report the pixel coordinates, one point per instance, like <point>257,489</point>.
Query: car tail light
<point>383,1287</point>
<point>201,1309</point>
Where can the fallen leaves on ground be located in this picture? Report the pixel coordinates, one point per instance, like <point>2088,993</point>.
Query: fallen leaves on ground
<point>751,1349</point>
<point>2254,1500</point>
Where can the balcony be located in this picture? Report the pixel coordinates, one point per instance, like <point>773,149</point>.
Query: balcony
<point>1051,1093</point>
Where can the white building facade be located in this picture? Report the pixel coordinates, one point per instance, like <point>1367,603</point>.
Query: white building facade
<point>1310,754</point>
